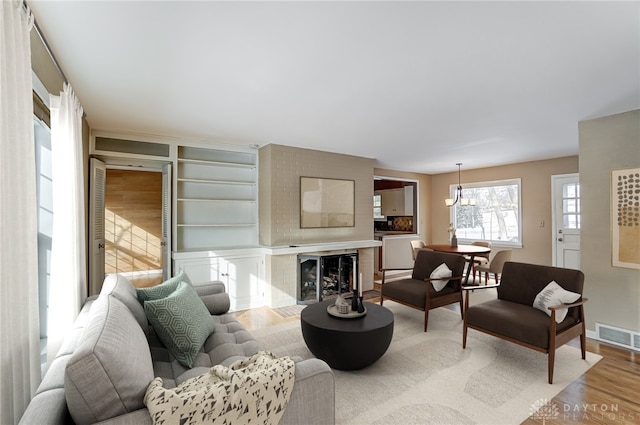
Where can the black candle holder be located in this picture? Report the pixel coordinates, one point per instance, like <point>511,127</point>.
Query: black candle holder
<point>361,306</point>
<point>354,301</point>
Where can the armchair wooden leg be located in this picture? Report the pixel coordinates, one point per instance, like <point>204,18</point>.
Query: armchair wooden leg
<point>464,335</point>
<point>552,355</point>
<point>583,336</point>
<point>426,317</point>
<point>552,346</point>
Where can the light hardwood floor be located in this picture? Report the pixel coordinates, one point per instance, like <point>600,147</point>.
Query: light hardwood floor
<point>608,393</point>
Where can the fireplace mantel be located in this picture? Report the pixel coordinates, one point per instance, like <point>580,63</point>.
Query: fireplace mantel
<point>320,247</point>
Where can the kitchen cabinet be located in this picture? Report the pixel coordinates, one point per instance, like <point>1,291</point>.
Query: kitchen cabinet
<point>397,202</point>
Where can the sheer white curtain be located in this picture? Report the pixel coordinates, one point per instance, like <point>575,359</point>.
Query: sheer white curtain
<point>19,325</point>
<point>68,257</point>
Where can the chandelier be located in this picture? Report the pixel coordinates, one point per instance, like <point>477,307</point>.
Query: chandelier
<point>449,202</point>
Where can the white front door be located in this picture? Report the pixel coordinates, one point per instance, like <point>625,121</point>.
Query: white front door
<point>566,220</point>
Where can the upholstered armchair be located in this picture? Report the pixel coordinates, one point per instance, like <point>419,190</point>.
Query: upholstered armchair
<point>419,291</point>
<point>531,310</point>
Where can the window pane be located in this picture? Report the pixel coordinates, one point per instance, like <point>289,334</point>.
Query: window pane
<point>496,215</point>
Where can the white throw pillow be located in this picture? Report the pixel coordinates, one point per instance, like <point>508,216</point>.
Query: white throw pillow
<point>554,294</point>
<point>440,272</point>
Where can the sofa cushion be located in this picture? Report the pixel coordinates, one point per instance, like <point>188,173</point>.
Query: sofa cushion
<point>181,321</point>
<point>163,290</point>
<point>554,294</point>
<point>119,286</point>
<point>109,371</point>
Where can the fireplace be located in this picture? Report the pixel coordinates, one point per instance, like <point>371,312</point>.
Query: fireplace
<point>322,276</point>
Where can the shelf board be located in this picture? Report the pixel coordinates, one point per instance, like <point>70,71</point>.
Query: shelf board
<point>215,163</point>
<point>219,225</point>
<point>229,182</point>
<point>249,201</point>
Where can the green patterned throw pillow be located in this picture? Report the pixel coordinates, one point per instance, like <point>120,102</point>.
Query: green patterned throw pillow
<point>163,290</point>
<point>181,321</point>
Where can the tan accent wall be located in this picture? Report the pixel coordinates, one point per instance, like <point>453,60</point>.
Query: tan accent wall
<point>536,202</point>
<point>606,144</point>
<point>279,186</point>
<point>133,221</point>
<point>424,198</point>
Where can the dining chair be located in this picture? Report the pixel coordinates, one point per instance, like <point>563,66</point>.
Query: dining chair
<point>415,246</point>
<point>494,266</point>
<point>478,259</point>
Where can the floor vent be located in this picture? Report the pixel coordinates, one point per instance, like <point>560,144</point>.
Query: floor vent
<point>617,336</point>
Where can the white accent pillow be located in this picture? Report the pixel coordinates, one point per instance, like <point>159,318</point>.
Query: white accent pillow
<point>554,294</point>
<point>440,272</point>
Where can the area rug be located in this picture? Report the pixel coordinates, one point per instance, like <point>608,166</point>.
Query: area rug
<point>427,378</point>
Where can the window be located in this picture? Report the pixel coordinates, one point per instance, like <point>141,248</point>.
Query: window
<point>42,137</point>
<point>571,205</point>
<point>496,215</point>
<point>377,206</point>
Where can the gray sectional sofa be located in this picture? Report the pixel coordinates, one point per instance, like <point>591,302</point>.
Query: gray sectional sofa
<point>108,359</point>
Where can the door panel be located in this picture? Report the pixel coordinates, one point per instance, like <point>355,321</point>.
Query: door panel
<point>96,226</point>
<point>566,210</point>
<point>166,222</point>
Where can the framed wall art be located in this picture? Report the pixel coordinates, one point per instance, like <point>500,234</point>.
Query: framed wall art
<point>326,202</point>
<point>625,218</point>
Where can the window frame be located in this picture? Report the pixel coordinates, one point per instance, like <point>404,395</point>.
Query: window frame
<point>484,184</point>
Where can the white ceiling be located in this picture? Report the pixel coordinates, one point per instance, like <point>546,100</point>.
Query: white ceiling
<point>418,86</point>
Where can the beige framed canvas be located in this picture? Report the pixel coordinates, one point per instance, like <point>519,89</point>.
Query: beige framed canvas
<point>625,218</point>
<point>326,202</point>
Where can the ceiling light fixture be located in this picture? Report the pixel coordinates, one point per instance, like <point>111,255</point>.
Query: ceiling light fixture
<point>463,201</point>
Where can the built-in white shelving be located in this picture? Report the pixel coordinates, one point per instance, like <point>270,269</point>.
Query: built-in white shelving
<point>216,199</point>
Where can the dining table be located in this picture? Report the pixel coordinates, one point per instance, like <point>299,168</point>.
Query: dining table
<point>470,250</point>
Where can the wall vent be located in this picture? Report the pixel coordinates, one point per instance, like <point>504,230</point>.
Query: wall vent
<point>618,336</point>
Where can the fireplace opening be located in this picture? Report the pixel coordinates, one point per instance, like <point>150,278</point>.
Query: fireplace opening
<point>325,276</point>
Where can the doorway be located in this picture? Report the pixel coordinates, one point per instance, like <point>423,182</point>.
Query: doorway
<point>129,223</point>
<point>133,225</point>
<point>565,204</point>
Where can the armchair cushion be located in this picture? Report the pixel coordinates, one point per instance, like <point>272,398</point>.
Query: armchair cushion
<point>515,321</point>
<point>437,277</point>
<point>552,295</point>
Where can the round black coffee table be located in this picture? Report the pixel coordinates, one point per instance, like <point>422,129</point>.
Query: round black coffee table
<point>347,344</point>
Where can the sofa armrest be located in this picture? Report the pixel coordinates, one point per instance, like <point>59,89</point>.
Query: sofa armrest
<point>217,303</point>
<point>213,296</point>
<point>209,288</point>
<point>313,400</point>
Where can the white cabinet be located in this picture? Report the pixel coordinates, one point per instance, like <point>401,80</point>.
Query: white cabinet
<point>216,202</point>
<point>392,201</point>
<point>243,277</point>
<point>397,202</point>
<point>408,200</point>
